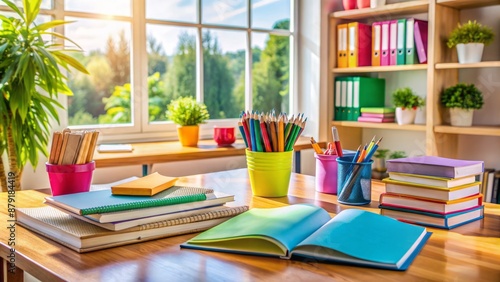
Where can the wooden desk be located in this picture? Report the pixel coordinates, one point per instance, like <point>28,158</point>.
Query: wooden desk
<point>467,253</point>
<point>149,153</point>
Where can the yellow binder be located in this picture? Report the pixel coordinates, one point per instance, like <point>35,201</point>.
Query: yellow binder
<point>342,46</point>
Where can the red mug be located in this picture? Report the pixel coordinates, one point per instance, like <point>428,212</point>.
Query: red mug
<point>224,136</point>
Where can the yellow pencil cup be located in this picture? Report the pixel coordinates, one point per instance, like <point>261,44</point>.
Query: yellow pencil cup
<point>269,172</point>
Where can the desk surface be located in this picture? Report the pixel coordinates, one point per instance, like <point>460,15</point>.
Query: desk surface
<point>467,253</point>
<point>167,151</point>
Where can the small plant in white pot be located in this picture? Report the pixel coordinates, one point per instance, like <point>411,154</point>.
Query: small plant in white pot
<point>470,38</point>
<point>462,99</point>
<point>406,103</point>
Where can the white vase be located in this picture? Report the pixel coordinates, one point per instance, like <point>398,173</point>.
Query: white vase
<point>470,52</point>
<point>377,3</point>
<point>406,116</point>
<point>461,117</point>
<point>420,116</point>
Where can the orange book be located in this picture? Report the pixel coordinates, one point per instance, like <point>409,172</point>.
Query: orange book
<point>148,185</point>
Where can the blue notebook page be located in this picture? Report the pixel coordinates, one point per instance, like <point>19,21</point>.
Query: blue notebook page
<point>365,238</point>
<point>272,231</point>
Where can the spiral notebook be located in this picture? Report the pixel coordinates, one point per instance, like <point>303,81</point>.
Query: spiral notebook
<point>103,201</point>
<point>82,236</point>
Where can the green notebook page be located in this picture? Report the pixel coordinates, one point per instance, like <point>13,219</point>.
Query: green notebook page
<point>360,237</point>
<point>264,231</point>
<point>104,201</point>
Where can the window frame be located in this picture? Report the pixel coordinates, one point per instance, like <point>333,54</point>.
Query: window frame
<point>141,128</point>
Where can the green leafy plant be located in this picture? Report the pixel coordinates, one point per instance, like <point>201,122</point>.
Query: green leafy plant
<point>462,95</point>
<point>470,32</point>
<point>381,153</point>
<point>186,111</point>
<point>31,78</point>
<point>406,98</point>
<point>397,155</point>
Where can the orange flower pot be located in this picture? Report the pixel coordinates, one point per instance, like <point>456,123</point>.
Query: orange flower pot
<point>188,135</point>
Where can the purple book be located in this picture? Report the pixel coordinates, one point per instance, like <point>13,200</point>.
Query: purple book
<point>435,166</point>
<point>421,40</point>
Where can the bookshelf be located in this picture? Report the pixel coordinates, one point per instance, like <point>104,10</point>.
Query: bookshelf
<point>441,71</point>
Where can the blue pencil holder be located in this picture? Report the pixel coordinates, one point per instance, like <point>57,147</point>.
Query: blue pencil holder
<point>354,185</point>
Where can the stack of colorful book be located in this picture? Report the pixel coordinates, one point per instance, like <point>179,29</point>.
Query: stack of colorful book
<point>374,114</point>
<point>121,213</point>
<point>433,191</point>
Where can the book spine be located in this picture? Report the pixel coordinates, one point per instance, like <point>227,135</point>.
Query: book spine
<point>195,218</point>
<point>145,204</point>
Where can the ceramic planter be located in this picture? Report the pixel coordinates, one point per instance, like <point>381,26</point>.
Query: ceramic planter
<point>349,4</point>
<point>363,4</point>
<point>188,135</point>
<point>461,117</point>
<point>377,3</point>
<point>379,164</point>
<point>470,52</point>
<point>405,116</point>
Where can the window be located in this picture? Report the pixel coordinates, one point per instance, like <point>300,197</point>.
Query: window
<point>232,55</point>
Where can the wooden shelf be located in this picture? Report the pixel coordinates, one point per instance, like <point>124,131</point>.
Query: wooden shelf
<point>441,71</point>
<point>381,69</point>
<point>393,126</point>
<point>467,4</point>
<point>490,64</point>
<point>394,10</point>
<point>473,130</point>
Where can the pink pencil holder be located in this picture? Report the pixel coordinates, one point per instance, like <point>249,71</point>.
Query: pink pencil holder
<point>69,179</point>
<point>326,173</point>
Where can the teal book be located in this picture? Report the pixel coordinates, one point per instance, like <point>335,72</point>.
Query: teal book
<point>306,231</point>
<point>367,92</point>
<point>445,221</point>
<point>103,201</point>
<point>411,51</point>
<point>401,42</point>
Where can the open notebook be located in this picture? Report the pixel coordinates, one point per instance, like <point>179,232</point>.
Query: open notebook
<point>353,236</point>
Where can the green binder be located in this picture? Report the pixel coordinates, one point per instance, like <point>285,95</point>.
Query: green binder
<point>367,92</point>
<point>340,103</point>
<point>401,42</point>
<point>350,97</point>
<point>411,52</point>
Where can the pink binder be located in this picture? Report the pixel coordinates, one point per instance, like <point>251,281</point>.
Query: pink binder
<point>393,42</point>
<point>421,29</point>
<point>384,58</point>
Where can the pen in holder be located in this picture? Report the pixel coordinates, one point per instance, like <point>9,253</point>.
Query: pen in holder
<point>354,181</point>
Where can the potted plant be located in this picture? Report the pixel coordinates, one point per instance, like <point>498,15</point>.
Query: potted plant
<point>187,113</point>
<point>406,103</point>
<point>462,99</point>
<point>31,78</point>
<point>470,39</point>
<point>379,160</point>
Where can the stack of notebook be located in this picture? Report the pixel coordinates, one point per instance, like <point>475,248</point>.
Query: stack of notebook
<point>112,217</point>
<point>433,191</point>
<point>374,114</point>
